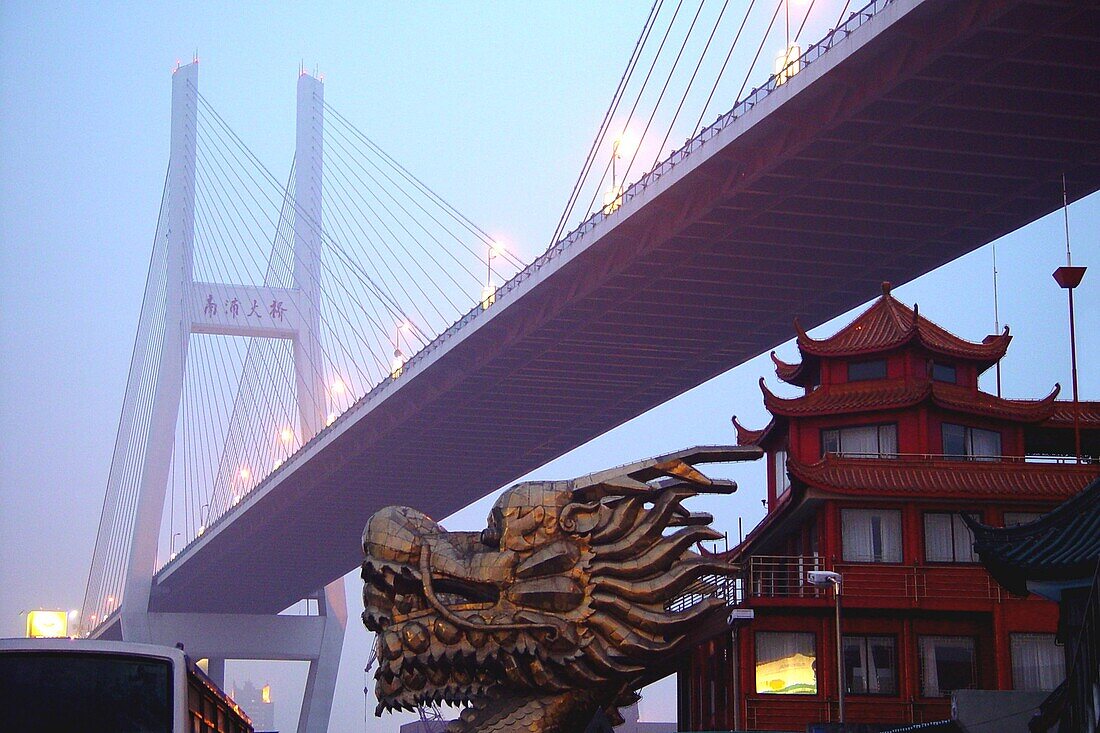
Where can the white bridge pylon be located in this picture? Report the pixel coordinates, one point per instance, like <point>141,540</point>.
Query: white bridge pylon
<point>205,308</point>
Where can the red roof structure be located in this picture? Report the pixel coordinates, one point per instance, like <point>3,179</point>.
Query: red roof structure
<point>916,477</point>
<point>887,325</point>
<point>899,394</point>
<point>868,471</point>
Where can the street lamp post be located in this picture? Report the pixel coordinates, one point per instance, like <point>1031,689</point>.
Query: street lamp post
<point>822,578</point>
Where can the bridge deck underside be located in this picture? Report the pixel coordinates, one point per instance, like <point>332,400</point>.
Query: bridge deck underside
<point>946,130</point>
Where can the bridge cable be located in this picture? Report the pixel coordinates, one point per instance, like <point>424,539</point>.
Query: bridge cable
<point>624,79</point>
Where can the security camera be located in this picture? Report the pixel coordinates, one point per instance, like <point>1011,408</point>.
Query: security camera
<point>823,577</point>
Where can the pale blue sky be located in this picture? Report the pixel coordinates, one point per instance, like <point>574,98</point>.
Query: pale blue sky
<point>492,104</point>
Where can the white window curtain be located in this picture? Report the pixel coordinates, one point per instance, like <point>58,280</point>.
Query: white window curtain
<point>869,665</point>
<point>947,664</point>
<point>947,538</point>
<point>782,480</point>
<point>1038,664</point>
<point>888,440</point>
<point>871,535</point>
<point>937,538</point>
<point>859,441</point>
<point>985,445</point>
<point>963,539</point>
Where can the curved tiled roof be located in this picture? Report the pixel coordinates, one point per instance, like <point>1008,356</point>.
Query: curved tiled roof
<point>924,476</point>
<point>963,399</point>
<point>896,394</point>
<point>1062,416</point>
<point>746,436</point>
<point>888,324</point>
<point>797,374</point>
<point>1061,545</point>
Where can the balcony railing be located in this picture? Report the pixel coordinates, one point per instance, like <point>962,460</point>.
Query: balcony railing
<point>784,576</point>
<point>980,458</point>
<point>790,712</point>
<point>729,589</point>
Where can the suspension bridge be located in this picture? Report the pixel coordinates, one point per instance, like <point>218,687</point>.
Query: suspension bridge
<point>313,348</point>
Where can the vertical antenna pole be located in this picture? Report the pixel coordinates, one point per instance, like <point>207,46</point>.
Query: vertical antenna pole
<point>1065,218</point>
<point>996,314</point>
<point>1069,277</point>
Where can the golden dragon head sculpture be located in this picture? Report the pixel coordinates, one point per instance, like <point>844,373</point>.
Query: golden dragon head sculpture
<point>558,609</point>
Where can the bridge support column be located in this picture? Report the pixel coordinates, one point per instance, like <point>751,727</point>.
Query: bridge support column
<point>161,432</point>
<point>321,679</point>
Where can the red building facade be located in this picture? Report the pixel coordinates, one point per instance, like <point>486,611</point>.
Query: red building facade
<point>868,471</point>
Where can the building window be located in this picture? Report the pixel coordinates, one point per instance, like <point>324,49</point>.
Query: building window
<point>870,665</point>
<point>947,663</point>
<point>1014,518</point>
<point>860,371</point>
<point>1038,664</point>
<point>782,480</point>
<point>785,663</point>
<point>871,535</point>
<point>866,440</point>
<point>975,444</point>
<point>947,538</point>
<point>944,373</point>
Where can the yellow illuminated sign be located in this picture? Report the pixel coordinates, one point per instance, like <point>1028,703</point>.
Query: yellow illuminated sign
<point>265,693</point>
<point>792,675</point>
<point>47,624</point>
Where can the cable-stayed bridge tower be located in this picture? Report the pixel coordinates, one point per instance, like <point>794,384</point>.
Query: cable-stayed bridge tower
<point>192,306</point>
<point>270,309</point>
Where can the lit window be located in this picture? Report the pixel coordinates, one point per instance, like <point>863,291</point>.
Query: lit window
<point>785,664</point>
<point>871,535</point>
<point>1038,663</point>
<point>870,665</point>
<point>947,663</point>
<point>974,444</point>
<point>1014,518</point>
<point>944,373</point>
<point>861,442</point>
<point>947,538</point>
<point>860,371</point>
<point>782,480</point>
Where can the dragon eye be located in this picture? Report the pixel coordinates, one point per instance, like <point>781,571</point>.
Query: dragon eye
<point>490,537</point>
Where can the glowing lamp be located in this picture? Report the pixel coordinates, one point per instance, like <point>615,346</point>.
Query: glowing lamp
<point>244,473</point>
<point>286,435</point>
<point>488,296</point>
<point>398,364</point>
<point>331,419</point>
<point>47,624</point>
<point>787,64</point>
<point>337,387</point>
<point>624,144</point>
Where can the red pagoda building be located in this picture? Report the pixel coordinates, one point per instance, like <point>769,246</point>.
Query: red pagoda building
<point>869,471</point>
